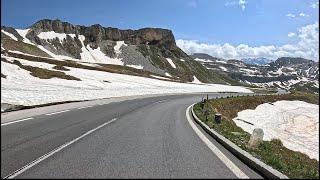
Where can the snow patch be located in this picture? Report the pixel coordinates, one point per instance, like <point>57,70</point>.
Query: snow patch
<point>160,77</point>
<point>135,66</point>
<point>295,123</point>
<point>9,34</point>
<point>223,68</point>
<point>118,46</point>
<point>167,74</point>
<point>52,35</point>
<point>202,60</point>
<point>171,63</point>
<point>23,33</point>
<point>196,80</point>
<point>96,55</point>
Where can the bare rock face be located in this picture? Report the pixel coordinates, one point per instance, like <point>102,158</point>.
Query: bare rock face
<point>98,36</point>
<point>256,138</point>
<point>96,33</point>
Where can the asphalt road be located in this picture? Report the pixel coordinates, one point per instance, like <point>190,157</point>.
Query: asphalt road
<point>141,138</point>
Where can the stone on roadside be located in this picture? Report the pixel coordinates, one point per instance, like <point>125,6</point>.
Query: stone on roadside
<point>256,138</point>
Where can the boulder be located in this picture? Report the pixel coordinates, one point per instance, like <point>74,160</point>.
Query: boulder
<point>256,138</point>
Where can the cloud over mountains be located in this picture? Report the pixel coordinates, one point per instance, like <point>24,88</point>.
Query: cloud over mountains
<point>307,46</point>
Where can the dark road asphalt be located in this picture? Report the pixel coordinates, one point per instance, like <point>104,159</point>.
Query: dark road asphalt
<point>141,138</point>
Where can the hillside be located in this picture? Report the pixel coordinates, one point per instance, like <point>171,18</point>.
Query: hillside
<point>152,50</point>
<point>54,61</point>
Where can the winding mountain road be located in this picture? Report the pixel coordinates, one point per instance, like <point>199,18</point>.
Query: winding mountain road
<point>140,138</point>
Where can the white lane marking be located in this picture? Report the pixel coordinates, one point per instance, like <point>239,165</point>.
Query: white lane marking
<point>11,122</point>
<point>57,112</point>
<point>85,107</point>
<point>82,107</point>
<point>37,161</point>
<point>234,168</point>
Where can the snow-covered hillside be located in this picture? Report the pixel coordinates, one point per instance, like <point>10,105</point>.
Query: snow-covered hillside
<point>285,73</point>
<point>295,123</point>
<point>19,87</point>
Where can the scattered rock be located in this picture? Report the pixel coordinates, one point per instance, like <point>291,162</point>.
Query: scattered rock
<point>256,138</point>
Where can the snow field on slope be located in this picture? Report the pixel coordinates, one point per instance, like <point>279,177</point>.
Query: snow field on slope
<point>87,55</point>
<point>20,88</point>
<point>9,34</point>
<point>295,123</point>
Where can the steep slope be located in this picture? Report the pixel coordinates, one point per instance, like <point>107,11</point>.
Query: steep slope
<point>149,49</point>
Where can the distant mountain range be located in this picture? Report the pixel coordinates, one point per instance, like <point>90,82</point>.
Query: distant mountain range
<point>285,73</point>
<point>256,61</point>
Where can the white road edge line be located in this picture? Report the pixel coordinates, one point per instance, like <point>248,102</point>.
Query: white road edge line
<point>37,161</point>
<point>11,122</point>
<point>58,112</point>
<point>234,168</point>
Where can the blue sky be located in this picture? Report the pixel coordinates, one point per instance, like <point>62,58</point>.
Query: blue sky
<point>251,22</point>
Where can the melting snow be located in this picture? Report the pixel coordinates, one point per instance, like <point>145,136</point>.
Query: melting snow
<point>53,35</point>
<point>160,77</point>
<point>10,35</point>
<point>202,60</point>
<point>23,33</point>
<point>196,80</point>
<point>223,68</point>
<point>295,123</point>
<point>21,88</point>
<point>96,55</point>
<point>135,66</point>
<point>171,62</point>
<point>167,74</point>
<point>118,46</point>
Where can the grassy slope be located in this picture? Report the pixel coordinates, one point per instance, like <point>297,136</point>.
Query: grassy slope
<point>185,70</point>
<point>13,45</point>
<point>292,163</point>
<point>102,67</point>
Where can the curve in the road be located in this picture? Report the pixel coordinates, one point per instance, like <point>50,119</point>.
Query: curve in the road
<point>151,138</point>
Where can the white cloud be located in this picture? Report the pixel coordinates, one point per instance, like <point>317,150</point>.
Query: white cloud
<point>303,14</point>
<point>306,47</point>
<point>291,34</point>
<point>290,15</point>
<point>241,3</point>
<point>315,5</point>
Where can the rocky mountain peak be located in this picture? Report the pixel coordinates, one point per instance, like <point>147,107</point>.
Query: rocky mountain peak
<point>96,32</point>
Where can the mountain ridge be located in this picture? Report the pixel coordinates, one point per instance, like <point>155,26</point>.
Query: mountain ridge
<point>150,49</point>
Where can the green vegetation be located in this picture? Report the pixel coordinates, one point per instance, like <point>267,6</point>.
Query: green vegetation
<point>294,164</point>
<point>185,70</point>
<point>305,87</point>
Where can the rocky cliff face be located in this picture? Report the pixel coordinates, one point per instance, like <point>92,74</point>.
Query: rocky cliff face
<point>97,36</point>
